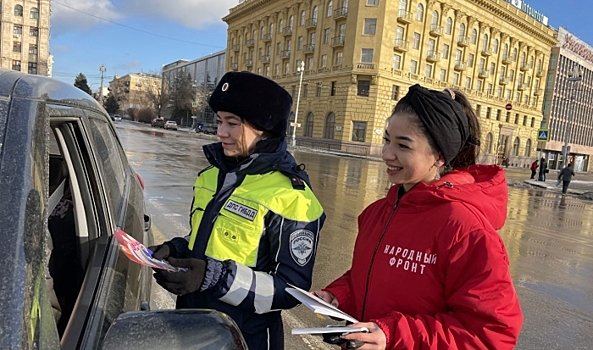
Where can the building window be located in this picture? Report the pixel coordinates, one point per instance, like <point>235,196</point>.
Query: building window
<point>293,91</point>
<point>495,46</point>
<point>474,36</point>
<point>277,69</point>
<point>532,122</point>
<point>373,2</point>
<point>323,61</point>
<point>428,71</point>
<point>310,63</point>
<point>339,56</point>
<point>470,60</point>
<point>468,83</point>
<point>416,42</point>
<point>318,90</point>
<point>32,68</point>
<point>489,90</point>
<point>16,65</point>
<point>33,49</point>
<point>34,31</point>
<point>443,75</point>
<point>367,56</point>
<point>517,118</point>
<point>492,68</point>
<point>528,148</point>
<point>278,48</point>
<point>516,145</point>
<point>488,145</point>
<point>363,87</point>
<point>508,117</point>
<point>448,25</point>
<point>456,79</point>
<point>413,67</point>
<point>18,11</point>
<point>498,113</point>
<point>300,43</point>
<point>16,46</point>
<point>395,92</point>
<point>479,111</point>
<point>34,13</point>
<point>326,34</point>
<point>370,26</point>
<point>479,84</point>
<point>305,90</point>
<point>358,131</point>
<point>17,30</point>
<point>330,126</point>
<point>332,91</point>
<point>287,68</point>
<point>329,9</point>
<point>397,59</point>
<point>488,112</point>
<point>419,12</point>
<point>309,125</point>
<point>302,18</point>
<point>445,51</point>
<point>524,120</point>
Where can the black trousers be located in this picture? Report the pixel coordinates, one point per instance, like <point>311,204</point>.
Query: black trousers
<point>565,186</point>
<point>533,172</point>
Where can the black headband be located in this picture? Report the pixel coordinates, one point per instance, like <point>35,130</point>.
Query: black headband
<point>443,118</point>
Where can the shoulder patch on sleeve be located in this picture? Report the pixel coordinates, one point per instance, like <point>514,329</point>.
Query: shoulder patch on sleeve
<point>301,246</point>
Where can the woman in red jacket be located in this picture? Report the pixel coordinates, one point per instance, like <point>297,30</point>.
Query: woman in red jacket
<point>429,270</point>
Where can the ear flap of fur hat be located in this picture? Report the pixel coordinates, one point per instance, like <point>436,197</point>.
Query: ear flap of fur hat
<point>258,100</point>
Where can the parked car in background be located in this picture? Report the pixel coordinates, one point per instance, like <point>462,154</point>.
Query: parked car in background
<point>117,118</point>
<point>66,186</point>
<point>210,129</point>
<point>171,125</point>
<point>158,122</point>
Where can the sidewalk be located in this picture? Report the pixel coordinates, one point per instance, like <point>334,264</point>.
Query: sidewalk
<point>577,187</point>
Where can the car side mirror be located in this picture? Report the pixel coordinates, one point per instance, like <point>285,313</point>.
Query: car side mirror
<point>174,329</point>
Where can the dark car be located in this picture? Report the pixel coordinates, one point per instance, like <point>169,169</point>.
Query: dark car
<point>158,122</point>
<point>66,187</point>
<point>210,129</point>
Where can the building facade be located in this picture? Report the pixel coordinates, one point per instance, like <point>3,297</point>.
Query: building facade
<point>135,90</point>
<point>567,109</point>
<point>360,57</point>
<point>24,36</point>
<point>205,73</point>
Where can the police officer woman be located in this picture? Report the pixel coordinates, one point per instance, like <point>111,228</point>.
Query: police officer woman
<point>254,220</point>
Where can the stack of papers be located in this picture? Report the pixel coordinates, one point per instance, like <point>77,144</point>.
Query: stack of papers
<point>138,253</point>
<point>320,306</point>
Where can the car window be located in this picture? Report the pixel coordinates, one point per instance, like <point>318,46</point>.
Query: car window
<point>107,150</point>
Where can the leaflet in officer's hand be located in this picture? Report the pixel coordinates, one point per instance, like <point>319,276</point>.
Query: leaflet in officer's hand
<point>318,305</point>
<point>330,330</point>
<point>138,253</point>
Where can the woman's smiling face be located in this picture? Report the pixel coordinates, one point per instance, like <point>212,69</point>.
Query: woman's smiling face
<point>238,137</point>
<point>407,152</point>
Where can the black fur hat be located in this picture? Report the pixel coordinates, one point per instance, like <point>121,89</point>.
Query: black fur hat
<point>256,99</point>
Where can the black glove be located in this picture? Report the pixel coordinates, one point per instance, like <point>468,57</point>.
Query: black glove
<point>182,282</point>
<point>163,251</point>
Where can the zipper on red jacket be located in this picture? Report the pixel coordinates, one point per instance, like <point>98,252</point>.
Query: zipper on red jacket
<point>366,287</point>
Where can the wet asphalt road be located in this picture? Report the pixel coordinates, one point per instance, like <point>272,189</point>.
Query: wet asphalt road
<point>549,238</point>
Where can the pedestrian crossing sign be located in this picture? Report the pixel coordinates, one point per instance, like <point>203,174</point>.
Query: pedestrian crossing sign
<point>543,135</point>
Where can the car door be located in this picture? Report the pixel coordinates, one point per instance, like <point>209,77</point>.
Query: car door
<point>101,184</point>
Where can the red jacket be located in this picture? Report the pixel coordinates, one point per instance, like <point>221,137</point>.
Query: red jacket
<point>534,165</point>
<point>434,270</point>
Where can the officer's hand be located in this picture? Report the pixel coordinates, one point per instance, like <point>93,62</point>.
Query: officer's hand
<point>328,297</point>
<point>374,340</point>
<point>160,252</point>
<point>182,282</point>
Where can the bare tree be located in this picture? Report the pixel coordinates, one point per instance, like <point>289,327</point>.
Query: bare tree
<point>181,96</point>
<point>158,99</point>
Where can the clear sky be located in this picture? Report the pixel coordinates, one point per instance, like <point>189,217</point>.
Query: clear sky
<point>129,36</point>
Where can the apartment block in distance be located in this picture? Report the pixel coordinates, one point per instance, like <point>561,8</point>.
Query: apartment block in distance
<point>24,36</point>
<point>360,58</point>
<point>133,90</point>
<point>568,113</point>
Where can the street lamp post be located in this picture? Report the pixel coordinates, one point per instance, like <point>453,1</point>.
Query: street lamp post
<point>102,69</point>
<point>300,69</point>
<point>573,77</point>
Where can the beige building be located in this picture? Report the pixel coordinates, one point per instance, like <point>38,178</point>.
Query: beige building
<point>567,106</point>
<point>134,90</point>
<point>360,57</point>
<point>24,36</point>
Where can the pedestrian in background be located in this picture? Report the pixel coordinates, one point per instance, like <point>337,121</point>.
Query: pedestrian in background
<point>254,220</point>
<point>565,176</point>
<point>533,169</point>
<point>543,169</point>
<point>429,270</point>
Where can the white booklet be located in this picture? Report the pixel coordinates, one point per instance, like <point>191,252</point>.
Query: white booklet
<point>330,329</point>
<point>318,305</point>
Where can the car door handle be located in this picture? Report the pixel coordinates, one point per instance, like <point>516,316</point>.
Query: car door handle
<point>147,222</point>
